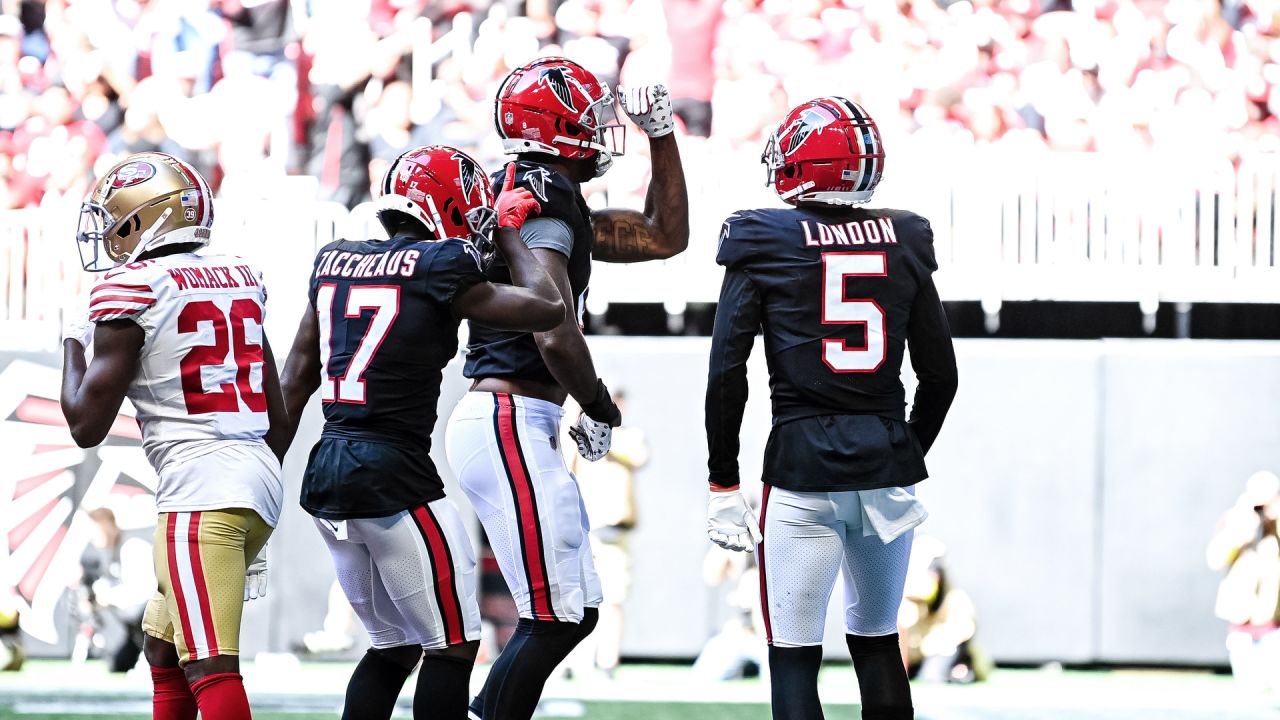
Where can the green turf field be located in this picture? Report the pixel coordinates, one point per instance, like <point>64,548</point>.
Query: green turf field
<point>282,688</point>
<point>587,711</point>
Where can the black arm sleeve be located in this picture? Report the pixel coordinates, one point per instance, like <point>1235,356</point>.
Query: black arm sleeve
<point>934,360</point>
<point>737,321</point>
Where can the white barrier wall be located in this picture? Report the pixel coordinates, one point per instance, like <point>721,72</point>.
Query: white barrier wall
<point>1008,227</point>
<point>1075,484</point>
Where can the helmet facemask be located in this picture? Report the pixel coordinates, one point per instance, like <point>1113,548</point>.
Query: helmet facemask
<point>98,228</point>
<point>483,221</point>
<point>772,159</point>
<point>91,237</point>
<point>602,121</point>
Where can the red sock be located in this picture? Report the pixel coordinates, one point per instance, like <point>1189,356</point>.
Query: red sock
<point>221,697</point>
<point>171,695</point>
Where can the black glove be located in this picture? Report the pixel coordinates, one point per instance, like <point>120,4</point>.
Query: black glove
<point>602,409</point>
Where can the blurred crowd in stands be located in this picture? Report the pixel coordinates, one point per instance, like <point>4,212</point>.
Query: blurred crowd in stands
<point>326,92</point>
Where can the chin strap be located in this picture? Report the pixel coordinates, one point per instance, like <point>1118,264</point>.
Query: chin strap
<point>835,198</point>
<point>149,234</point>
<point>796,190</point>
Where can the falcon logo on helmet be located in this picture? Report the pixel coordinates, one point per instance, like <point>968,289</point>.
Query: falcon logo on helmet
<point>469,174</point>
<point>559,83</point>
<point>827,151</point>
<point>808,123</point>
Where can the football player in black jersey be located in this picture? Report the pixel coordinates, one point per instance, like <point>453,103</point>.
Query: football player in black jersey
<point>382,324</point>
<point>502,440</point>
<point>838,291</point>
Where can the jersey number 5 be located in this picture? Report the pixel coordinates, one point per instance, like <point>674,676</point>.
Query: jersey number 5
<point>245,354</point>
<point>837,309</point>
<point>384,300</point>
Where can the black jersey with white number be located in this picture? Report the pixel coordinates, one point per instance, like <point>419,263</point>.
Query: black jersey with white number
<point>838,294</point>
<point>386,332</point>
<point>499,353</point>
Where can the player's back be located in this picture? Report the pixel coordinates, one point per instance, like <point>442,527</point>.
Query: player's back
<point>386,332</point>
<point>200,375</point>
<point>509,354</point>
<point>836,288</point>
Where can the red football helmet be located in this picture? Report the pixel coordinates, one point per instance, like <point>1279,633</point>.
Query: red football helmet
<point>555,106</point>
<point>441,187</point>
<point>825,151</point>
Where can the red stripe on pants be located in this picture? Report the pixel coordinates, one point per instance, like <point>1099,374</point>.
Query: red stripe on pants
<point>764,586</point>
<point>446,589</point>
<point>202,587</point>
<point>531,541</point>
<point>175,581</point>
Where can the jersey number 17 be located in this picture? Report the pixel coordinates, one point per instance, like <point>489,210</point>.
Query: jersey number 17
<point>384,300</point>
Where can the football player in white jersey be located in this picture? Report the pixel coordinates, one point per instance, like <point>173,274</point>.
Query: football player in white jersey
<point>180,335</point>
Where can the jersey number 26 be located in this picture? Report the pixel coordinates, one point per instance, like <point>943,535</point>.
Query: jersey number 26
<point>228,335</point>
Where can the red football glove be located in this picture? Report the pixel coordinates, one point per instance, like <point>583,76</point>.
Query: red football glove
<point>514,205</point>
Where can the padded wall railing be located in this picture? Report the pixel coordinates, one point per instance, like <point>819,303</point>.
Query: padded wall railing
<point>1007,226</point>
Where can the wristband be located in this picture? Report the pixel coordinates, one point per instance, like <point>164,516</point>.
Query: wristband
<point>602,408</point>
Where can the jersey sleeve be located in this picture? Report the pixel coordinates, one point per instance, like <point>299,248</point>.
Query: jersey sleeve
<point>262,285</point>
<point>455,269</point>
<point>738,317</point>
<point>933,358</point>
<point>123,295</point>
<point>921,234</point>
<point>739,240</point>
<point>549,234</point>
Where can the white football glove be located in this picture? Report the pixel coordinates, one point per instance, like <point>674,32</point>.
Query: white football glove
<point>79,328</point>
<point>649,107</point>
<point>593,437</point>
<point>730,522</point>
<point>255,577</point>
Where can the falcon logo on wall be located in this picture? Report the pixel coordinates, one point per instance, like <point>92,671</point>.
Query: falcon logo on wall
<point>47,484</point>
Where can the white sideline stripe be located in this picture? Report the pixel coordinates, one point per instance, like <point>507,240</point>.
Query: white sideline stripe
<point>198,643</point>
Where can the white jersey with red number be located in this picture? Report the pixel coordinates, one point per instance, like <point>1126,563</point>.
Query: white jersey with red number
<point>199,387</point>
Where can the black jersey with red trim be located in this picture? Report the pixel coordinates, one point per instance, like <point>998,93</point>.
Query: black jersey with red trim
<point>387,330</point>
<point>499,353</point>
<point>838,294</point>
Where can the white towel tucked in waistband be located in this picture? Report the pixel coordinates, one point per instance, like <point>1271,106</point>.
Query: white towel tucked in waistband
<point>889,512</point>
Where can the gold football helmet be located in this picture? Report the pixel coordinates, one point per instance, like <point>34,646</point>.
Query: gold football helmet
<point>146,201</point>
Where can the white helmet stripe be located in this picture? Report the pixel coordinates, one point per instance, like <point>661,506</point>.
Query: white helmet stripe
<point>849,108</point>
<point>207,219</point>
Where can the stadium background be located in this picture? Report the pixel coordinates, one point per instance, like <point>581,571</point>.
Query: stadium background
<point>1101,177</point>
